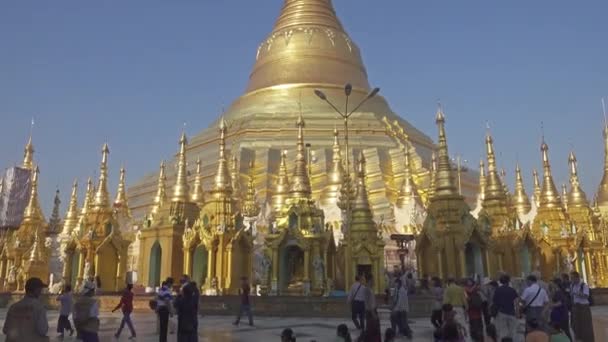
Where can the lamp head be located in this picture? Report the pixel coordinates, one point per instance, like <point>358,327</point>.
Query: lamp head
<point>373,93</point>
<point>320,95</point>
<point>348,88</point>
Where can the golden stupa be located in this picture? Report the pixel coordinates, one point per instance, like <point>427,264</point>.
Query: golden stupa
<point>308,49</point>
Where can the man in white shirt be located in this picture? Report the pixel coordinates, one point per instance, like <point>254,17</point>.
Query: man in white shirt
<point>582,323</point>
<point>534,299</point>
<point>356,299</point>
<point>400,309</point>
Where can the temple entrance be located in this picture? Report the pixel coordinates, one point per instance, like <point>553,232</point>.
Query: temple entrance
<point>525,260</point>
<point>106,267</point>
<point>75,264</point>
<point>199,265</point>
<point>473,260</point>
<point>154,265</point>
<point>292,269</point>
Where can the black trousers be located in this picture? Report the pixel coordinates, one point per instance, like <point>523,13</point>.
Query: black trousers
<point>63,324</point>
<point>358,312</point>
<point>163,319</point>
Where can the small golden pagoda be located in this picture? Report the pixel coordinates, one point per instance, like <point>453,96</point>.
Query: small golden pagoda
<point>451,242</point>
<point>299,248</point>
<point>218,249</point>
<point>96,247</point>
<point>161,252</point>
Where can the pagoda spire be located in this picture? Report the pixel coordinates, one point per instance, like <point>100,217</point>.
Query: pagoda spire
<point>300,183</point>
<point>549,196</point>
<point>361,198</point>
<point>494,188</point>
<point>198,195</point>
<point>408,191</point>
<point>101,200</point>
<point>71,216</point>
<point>522,201</point>
<point>161,192</point>
<point>55,220</point>
<point>181,188</point>
<point>336,175</point>
<point>602,191</point>
<point>433,177</point>
<point>28,155</point>
<point>576,197</point>
<point>537,189</point>
<point>281,188</point>
<point>121,201</point>
<point>445,179</point>
<point>235,177</point>
<point>88,200</point>
<point>482,180</point>
<point>32,212</point>
<point>565,195</point>
<point>250,207</point>
<point>222,177</point>
<point>37,251</point>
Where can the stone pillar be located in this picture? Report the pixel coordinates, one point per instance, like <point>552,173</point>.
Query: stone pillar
<point>210,267</point>
<point>187,260</point>
<point>500,263</point>
<point>306,264</point>
<point>589,268</point>
<point>219,271</point>
<point>274,283</point>
<point>2,273</point>
<point>488,263</point>
<point>230,276</point>
<point>119,270</point>
<point>420,265</point>
<point>463,263</point>
<point>440,265</point>
<point>67,267</point>
<point>81,262</point>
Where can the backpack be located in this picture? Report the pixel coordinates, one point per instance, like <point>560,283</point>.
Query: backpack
<point>475,300</point>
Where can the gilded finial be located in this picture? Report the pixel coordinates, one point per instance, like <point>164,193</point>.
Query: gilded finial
<point>300,183</point>
<point>482,180</point>
<point>37,251</point>
<point>32,212</point>
<point>181,187</point>
<point>223,183</point>
<point>71,216</point>
<point>408,191</point>
<point>281,187</point>
<point>198,195</point>
<point>121,201</point>
<point>495,190</point>
<point>576,197</point>
<point>101,200</point>
<point>28,155</point>
<point>522,201</point>
<point>250,207</point>
<point>235,177</point>
<point>549,197</point>
<point>361,199</point>
<point>55,220</point>
<point>537,189</point>
<point>336,173</point>
<point>161,193</point>
<point>565,195</point>
<point>445,185</point>
<point>433,177</point>
<point>602,191</point>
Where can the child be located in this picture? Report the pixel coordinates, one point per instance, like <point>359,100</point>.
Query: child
<point>65,298</point>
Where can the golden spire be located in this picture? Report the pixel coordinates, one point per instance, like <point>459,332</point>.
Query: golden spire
<point>71,216</point>
<point>536,187</point>
<point>198,195</point>
<point>161,194</point>
<point>494,187</point>
<point>250,207</point>
<point>602,191</point>
<point>235,177</point>
<point>565,195</point>
<point>445,179</point>
<point>121,194</point>
<point>308,28</point>
<point>482,180</point>
<point>88,200</point>
<point>102,196</point>
<point>549,197</point>
<point>281,188</point>
<point>361,199</point>
<point>300,183</point>
<point>32,212</point>
<point>335,176</point>
<point>433,176</point>
<point>522,201</point>
<point>222,177</point>
<point>408,187</point>
<point>576,197</point>
<point>37,251</point>
<point>180,188</point>
<point>28,155</point>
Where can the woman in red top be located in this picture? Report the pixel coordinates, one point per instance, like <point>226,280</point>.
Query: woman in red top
<point>126,305</point>
<point>475,308</point>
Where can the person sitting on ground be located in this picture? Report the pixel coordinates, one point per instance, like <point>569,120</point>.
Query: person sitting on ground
<point>342,334</point>
<point>287,335</point>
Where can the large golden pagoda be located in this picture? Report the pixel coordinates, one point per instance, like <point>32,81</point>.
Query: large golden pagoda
<point>308,49</point>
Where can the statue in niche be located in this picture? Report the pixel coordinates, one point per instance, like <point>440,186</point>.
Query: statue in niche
<point>319,269</point>
<point>265,268</point>
<point>12,275</point>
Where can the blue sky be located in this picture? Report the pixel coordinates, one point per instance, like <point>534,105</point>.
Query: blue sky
<point>132,72</point>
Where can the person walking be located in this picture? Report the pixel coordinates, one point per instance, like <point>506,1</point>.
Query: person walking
<point>437,294</point>
<point>245,302</point>
<point>474,312</point>
<point>399,310</point>
<point>457,298</point>
<point>582,322</point>
<point>187,315</point>
<point>504,301</point>
<point>534,299</point>
<point>163,308</point>
<point>86,314</point>
<point>65,299</point>
<point>559,308</point>
<point>372,332</point>
<point>356,299</point>
<point>126,306</point>
<point>26,319</point>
